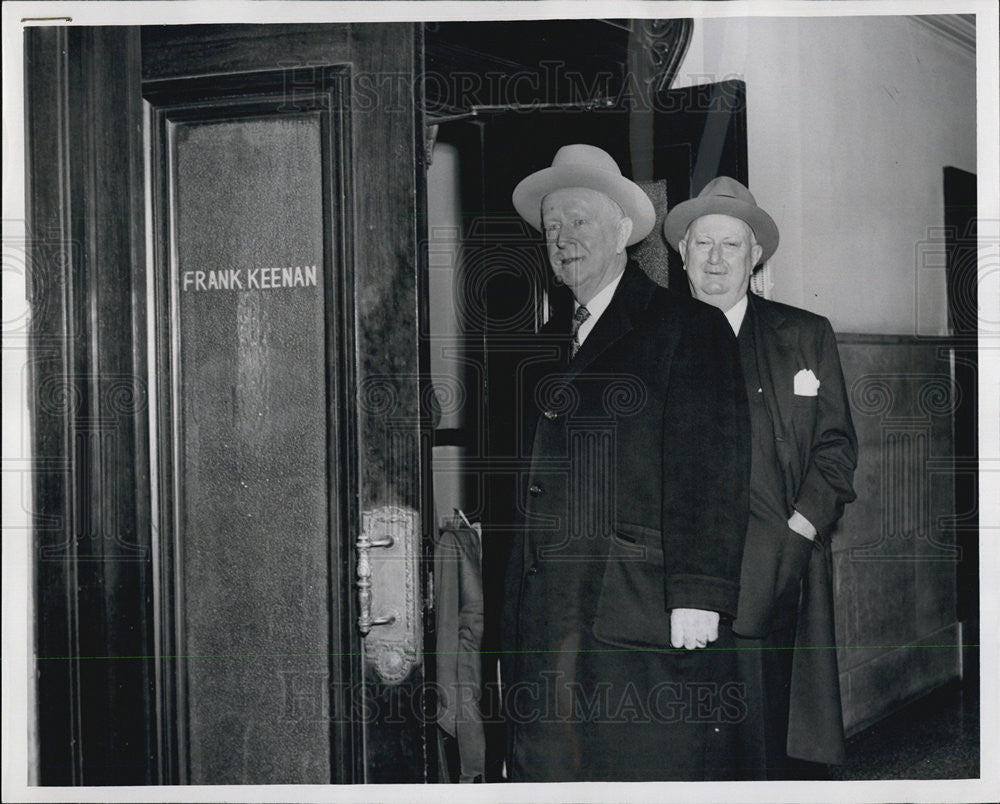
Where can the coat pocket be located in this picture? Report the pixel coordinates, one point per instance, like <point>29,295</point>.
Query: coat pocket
<point>804,403</point>
<point>797,556</point>
<point>631,608</point>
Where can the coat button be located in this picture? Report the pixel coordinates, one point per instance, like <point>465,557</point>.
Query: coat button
<point>534,489</point>
<point>533,569</point>
<point>550,415</point>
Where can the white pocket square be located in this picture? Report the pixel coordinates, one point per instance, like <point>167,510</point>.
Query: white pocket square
<point>806,383</point>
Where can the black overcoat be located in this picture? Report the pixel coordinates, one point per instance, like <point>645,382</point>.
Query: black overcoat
<point>633,502</point>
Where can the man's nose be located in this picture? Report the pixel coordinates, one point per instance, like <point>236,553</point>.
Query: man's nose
<point>715,254</point>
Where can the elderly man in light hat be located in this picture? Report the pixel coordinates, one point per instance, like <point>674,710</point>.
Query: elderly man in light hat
<point>804,455</point>
<point>623,581</point>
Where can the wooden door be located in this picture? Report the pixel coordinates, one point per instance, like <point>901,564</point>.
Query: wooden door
<point>246,200</point>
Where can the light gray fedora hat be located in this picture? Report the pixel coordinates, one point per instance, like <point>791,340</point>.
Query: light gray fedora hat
<point>590,167</point>
<point>723,196</point>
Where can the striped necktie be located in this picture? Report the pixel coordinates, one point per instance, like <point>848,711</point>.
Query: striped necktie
<point>581,315</point>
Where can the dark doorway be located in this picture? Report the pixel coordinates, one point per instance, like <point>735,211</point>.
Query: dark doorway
<point>507,96</point>
<point>960,220</point>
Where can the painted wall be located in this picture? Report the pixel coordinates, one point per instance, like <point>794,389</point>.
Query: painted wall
<point>444,244</point>
<point>850,122</point>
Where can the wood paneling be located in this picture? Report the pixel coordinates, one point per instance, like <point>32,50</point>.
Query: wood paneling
<point>895,554</point>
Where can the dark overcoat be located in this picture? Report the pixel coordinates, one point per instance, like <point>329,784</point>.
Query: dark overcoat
<point>633,502</point>
<point>817,450</point>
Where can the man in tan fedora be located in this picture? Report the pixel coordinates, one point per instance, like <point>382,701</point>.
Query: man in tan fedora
<point>617,661</point>
<point>804,455</point>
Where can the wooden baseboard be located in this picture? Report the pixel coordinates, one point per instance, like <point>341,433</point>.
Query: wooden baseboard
<point>875,689</point>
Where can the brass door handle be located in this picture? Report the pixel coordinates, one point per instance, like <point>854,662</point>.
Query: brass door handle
<point>388,552</point>
<point>364,546</point>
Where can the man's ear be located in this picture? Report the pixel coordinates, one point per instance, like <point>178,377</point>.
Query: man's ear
<point>624,232</point>
<point>682,248</point>
<point>756,252</point>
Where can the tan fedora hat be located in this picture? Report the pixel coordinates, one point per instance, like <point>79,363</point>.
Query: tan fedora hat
<point>723,196</point>
<point>590,167</point>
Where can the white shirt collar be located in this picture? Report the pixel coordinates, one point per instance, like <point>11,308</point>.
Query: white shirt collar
<point>596,306</point>
<point>737,313</point>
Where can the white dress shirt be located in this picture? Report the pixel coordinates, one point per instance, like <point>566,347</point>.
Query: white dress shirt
<point>736,314</point>
<point>596,307</point>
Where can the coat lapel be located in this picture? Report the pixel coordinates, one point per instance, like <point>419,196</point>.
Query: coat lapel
<point>775,361</point>
<point>631,297</point>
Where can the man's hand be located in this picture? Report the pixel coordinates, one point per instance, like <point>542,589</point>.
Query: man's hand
<point>693,628</point>
<point>802,526</point>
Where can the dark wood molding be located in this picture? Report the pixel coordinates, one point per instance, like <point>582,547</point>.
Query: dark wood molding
<point>89,400</point>
<point>388,169</point>
<point>185,51</point>
<point>54,412</point>
<point>171,721</point>
<point>912,340</point>
<point>666,41</point>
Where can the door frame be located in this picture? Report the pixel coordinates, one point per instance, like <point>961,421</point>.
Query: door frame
<point>100,648</point>
<point>92,547</point>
